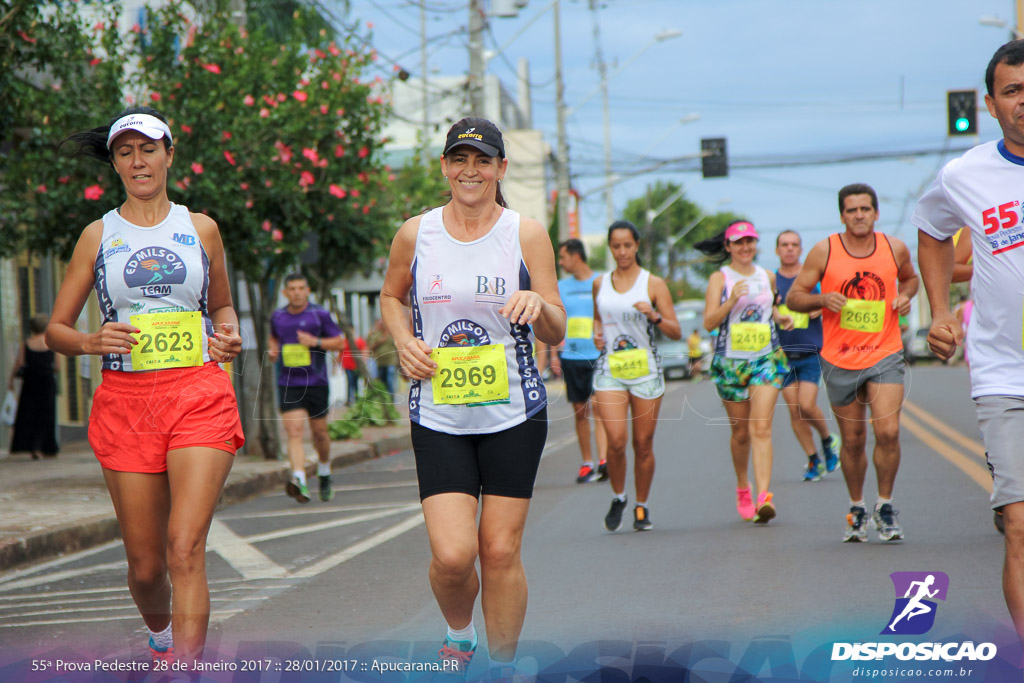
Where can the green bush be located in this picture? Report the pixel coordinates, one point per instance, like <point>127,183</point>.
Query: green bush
<point>374,408</point>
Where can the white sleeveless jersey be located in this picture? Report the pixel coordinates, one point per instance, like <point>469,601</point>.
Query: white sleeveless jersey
<point>458,288</point>
<point>159,269</point>
<point>982,190</point>
<point>753,307</point>
<point>625,327</point>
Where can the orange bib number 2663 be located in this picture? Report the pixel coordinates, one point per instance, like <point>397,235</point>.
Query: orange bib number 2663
<point>470,374</point>
<point>168,340</point>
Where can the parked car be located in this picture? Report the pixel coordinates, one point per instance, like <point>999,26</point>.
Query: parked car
<point>675,355</point>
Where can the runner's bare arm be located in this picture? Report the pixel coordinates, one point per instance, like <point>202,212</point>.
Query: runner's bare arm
<point>226,342</point>
<point>936,259</point>
<point>907,277</point>
<point>662,298</point>
<point>413,354</point>
<point>963,268</point>
<point>61,335</point>
<point>800,298</point>
<point>716,310</point>
<point>541,305</point>
<point>598,325</point>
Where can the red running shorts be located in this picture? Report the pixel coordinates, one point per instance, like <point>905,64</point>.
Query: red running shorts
<point>137,417</point>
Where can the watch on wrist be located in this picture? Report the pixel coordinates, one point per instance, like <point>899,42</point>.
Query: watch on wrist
<point>318,344</point>
<point>659,319</point>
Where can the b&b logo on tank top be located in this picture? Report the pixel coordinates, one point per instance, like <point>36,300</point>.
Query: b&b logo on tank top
<point>464,333</point>
<point>864,285</point>
<point>153,271</point>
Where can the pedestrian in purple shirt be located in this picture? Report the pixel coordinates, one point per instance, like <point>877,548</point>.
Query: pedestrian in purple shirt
<point>300,335</point>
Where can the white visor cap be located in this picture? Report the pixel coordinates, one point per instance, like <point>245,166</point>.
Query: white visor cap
<point>148,125</point>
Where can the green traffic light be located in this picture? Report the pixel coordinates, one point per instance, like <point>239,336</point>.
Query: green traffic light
<point>962,124</point>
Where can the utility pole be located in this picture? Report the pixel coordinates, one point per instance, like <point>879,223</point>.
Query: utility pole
<point>602,70</point>
<point>563,144</point>
<point>424,69</point>
<point>476,57</point>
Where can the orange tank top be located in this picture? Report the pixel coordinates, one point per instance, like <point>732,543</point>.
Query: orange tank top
<point>867,330</point>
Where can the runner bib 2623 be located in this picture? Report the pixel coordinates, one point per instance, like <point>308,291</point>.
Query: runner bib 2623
<point>168,340</point>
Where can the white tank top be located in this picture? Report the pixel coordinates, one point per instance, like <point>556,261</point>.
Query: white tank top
<point>626,328</point>
<point>158,269</point>
<point>754,307</point>
<point>458,288</point>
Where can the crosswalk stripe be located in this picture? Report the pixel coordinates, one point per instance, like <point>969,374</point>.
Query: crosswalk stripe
<point>243,557</point>
<point>361,547</point>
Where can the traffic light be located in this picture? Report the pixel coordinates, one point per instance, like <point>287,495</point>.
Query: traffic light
<point>714,164</point>
<point>962,107</point>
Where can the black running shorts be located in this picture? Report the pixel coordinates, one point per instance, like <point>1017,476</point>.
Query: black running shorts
<point>579,379</point>
<point>500,464</point>
<point>311,399</point>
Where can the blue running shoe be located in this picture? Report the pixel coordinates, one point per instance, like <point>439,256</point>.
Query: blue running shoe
<point>830,449</point>
<point>815,468</point>
<point>456,655</point>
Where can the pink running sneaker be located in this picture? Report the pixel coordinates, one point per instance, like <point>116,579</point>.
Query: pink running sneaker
<point>744,504</point>
<point>765,509</point>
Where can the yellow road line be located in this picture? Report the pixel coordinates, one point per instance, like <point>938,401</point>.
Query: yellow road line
<point>972,445</point>
<point>967,465</point>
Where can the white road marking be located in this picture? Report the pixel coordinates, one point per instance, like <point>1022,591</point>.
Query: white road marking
<point>243,557</point>
<point>74,557</point>
<point>214,618</point>
<point>305,510</point>
<point>60,576</point>
<point>361,547</point>
<point>292,531</point>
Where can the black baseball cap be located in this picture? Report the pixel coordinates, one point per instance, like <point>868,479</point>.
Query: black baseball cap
<point>478,133</point>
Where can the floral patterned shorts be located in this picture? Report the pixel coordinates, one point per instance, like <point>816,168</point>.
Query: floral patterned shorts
<point>734,376</point>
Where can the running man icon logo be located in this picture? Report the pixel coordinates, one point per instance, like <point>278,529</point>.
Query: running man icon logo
<point>914,612</point>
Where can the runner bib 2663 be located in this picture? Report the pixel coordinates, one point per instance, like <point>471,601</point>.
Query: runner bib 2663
<point>470,374</point>
<point>168,340</point>
<point>862,316</point>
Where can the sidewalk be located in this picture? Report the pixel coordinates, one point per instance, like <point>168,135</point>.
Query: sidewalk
<point>57,505</point>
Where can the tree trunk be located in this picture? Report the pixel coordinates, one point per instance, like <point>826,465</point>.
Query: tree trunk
<point>266,410</point>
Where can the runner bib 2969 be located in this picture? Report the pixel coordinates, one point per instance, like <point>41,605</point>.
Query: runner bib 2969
<point>470,374</point>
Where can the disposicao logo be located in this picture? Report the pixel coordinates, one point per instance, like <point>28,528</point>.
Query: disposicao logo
<point>916,592</point>
<point>914,614</point>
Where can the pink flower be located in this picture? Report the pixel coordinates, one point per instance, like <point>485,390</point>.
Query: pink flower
<point>306,179</point>
<point>277,235</point>
<point>197,168</point>
<point>271,102</point>
<point>180,185</point>
<point>310,154</point>
<point>248,203</point>
<point>264,112</point>
<point>300,96</point>
<point>333,49</point>
<point>268,183</point>
<point>363,152</point>
<point>281,97</point>
<point>244,186</point>
<point>304,82</point>
<point>93,192</point>
<point>186,129</point>
<point>355,193</point>
<point>322,163</point>
<point>391,176</point>
<point>41,189</point>
<point>366,209</point>
<point>63,180</point>
<point>24,36</point>
<point>324,85</point>
<point>98,26</point>
<point>248,100</point>
<point>94,61</point>
<point>230,158</point>
<point>212,68</point>
<point>369,25</point>
<point>155,96</point>
<point>266,226</point>
<point>338,192</point>
<point>136,28</point>
<point>339,151</point>
<point>362,177</point>
<point>225,135</point>
<point>323,109</point>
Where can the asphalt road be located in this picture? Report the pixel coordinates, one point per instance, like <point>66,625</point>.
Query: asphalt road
<point>343,585</point>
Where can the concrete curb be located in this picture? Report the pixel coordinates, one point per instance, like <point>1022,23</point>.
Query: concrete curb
<point>87,533</point>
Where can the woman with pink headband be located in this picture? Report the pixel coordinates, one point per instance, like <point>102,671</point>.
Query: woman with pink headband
<point>164,422</point>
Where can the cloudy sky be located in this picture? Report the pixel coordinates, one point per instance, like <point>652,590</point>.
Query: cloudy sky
<point>785,81</point>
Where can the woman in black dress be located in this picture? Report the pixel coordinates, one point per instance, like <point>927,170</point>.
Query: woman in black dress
<point>35,424</point>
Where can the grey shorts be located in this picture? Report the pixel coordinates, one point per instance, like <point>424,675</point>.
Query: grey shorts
<point>842,385</point>
<point>1001,419</point>
<point>648,389</point>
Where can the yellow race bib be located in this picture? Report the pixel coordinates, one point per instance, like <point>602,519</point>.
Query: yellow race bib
<point>749,337</point>
<point>168,340</point>
<point>579,328</point>
<point>862,316</point>
<point>470,374</point>
<point>295,356</point>
<point>800,320</point>
<point>629,364</point>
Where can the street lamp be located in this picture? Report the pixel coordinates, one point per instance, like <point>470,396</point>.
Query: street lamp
<point>999,22</point>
